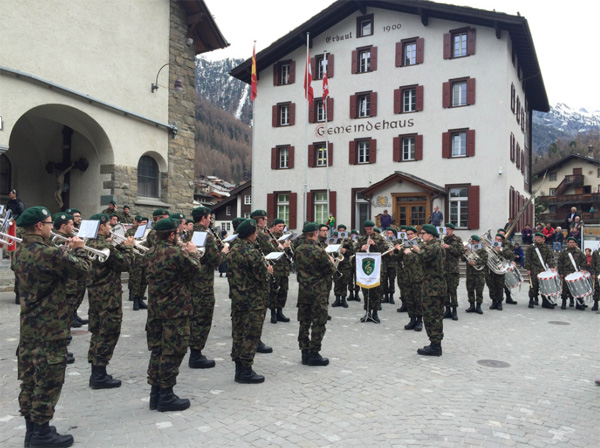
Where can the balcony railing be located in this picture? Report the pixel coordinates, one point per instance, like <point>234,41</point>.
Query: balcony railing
<point>575,199</point>
<point>570,180</point>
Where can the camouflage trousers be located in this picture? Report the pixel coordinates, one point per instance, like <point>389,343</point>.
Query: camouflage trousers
<point>534,286</point>
<point>372,298</point>
<point>201,319</point>
<point>312,316</point>
<point>388,278</point>
<point>475,284</point>
<point>433,310</point>
<point>246,329</point>
<point>413,299</point>
<point>278,299</point>
<point>343,284</point>
<point>566,292</point>
<point>452,280</point>
<point>105,326</point>
<point>495,284</point>
<point>41,369</point>
<point>596,289</point>
<point>354,285</point>
<point>137,279</point>
<point>168,341</point>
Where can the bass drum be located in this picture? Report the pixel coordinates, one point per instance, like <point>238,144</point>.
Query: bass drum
<point>513,277</point>
<point>580,284</point>
<point>549,283</point>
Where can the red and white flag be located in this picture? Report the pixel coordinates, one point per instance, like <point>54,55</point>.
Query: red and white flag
<point>253,79</point>
<point>308,88</point>
<point>325,87</point>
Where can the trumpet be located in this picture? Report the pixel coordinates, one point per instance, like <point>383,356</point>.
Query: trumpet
<point>11,239</point>
<point>94,254</point>
<point>138,248</point>
<point>199,249</point>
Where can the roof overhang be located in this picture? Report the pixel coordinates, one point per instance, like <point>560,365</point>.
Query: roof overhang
<point>399,177</point>
<point>566,160</point>
<point>202,27</point>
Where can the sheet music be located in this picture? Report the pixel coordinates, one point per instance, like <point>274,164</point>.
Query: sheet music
<point>88,229</point>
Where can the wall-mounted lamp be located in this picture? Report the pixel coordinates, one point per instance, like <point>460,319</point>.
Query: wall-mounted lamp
<point>178,85</point>
<point>500,171</point>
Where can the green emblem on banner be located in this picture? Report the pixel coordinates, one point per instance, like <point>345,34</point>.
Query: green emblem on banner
<point>368,265</point>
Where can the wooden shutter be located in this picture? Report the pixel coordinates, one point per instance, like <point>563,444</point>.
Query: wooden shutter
<point>512,147</point>
<point>398,101</point>
<point>313,68</point>
<point>418,147</point>
<point>274,154</point>
<point>291,154</point>
<point>311,156</point>
<point>470,91</point>
<point>373,151</point>
<point>419,92</point>
<point>473,213</point>
<point>293,113</point>
<point>446,94</point>
<point>312,112</point>
<point>470,142</point>
<point>522,161</point>
<point>471,41</point>
<point>352,106</point>
<point>271,206</point>
<point>511,202</point>
<point>420,50</point>
<point>446,145</point>
<point>512,98</point>
<point>373,100</point>
<point>373,59</point>
<point>330,65</point>
<point>333,203</point>
<point>447,46</point>
<point>276,74</point>
<point>310,208</point>
<point>352,152</point>
<point>396,153</point>
<point>518,156</point>
<point>399,61</point>
<point>354,67</point>
<point>329,108</point>
<point>292,72</point>
<point>293,210</point>
<point>330,154</point>
<point>275,118</point>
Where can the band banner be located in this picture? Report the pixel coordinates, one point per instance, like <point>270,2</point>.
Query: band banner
<point>368,270</point>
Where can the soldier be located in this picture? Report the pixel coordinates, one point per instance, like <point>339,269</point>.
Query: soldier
<point>125,217</point>
<point>137,272</point>
<point>402,280</point>
<point>315,269</point>
<point>430,254</point>
<point>371,242</point>
<point>281,272</point>
<point>82,285</point>
<point>509,299</point>
<point>76,216</point>
<point>494,281</point>
<point>595,271</point>
<point>476,277</point>
<point>247,274</point>
<point>45,317</point>
<point>263,242</point>
<point>112,208</point>
<point>389,267</point>
<point>106,308</point>
<point>353,287</point>
<point>170,307</point>
<point>114,219</point>
<point>343,282</point>
<point>409,263</point>
<point>534,267</point>
<point>565,267</point>
<point>453,251</point>
<point>203,292</point>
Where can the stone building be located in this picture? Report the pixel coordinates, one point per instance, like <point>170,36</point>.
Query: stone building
<point>98,101</point>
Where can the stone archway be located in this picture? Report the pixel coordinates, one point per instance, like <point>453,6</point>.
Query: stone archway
<point>37,145</point>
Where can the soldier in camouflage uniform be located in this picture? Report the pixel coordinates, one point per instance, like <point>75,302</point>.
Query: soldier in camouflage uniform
<point>409,263</point>
<point>565,267</point>
<point>389,267</point>
<point>495,282</point>
<point>45,317</point>
<point>430,254</point>
<point>247,274</point>
<point>507,290</point>
<point>315,269</point>
<point>402,280</point>
<point>170,306</point>
<point>137,272</point>
<point>106,307</point>
<point>343,282</point>
<point>112,208</point>
<point>453,251</point>
<point>125,216</point>
<point>595,271</point>
<point>534,267</point>
<point>263,242</point>
<point>81,291</point>
<point>353,288</point>
<point>375,243</point>
<point>476,277</point>
<point>282,269</point>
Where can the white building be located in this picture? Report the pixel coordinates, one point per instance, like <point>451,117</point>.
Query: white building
<point>430,105</point>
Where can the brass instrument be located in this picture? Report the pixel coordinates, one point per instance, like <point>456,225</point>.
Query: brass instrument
<point>495,262</point>
<point>95,254</point>
<point>138,248</point>
<point>472,256</point>
<point>11,239</point>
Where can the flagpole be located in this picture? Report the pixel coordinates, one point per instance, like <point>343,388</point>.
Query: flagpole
<point>306,128</point>
<point>326,139</point>
<point>253,83</point>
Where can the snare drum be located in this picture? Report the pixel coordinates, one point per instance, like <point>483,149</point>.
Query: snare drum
<point>549,283</point>
<point>580,284</point>
<point>513,277</point>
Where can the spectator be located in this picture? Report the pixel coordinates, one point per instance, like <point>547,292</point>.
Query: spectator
<point>588,258</point>
<point>519,256</point>
<point>386,220</point>
<point>15,205</point>
<point>527,235</point>
<point>437,218</point>
<point>506,226</point>
<point>592,210</point>
<point>558,240</point>
<point>331,224</point>
<point>571,217</point>
<point>539,227</point>
<point>575,230</point>
<point>548,232</point>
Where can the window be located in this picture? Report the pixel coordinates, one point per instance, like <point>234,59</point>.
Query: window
<point>364,25</point>
<point>320,110</point>
<point>317,111</point>
<point>459,43</point>
<point>363,104</point>
<point>246,215</point>
<point>283,206</point>
<point>458,92</point>
<point>409,51</point>
<point>148,178</point>
<point>247,199</point>
<point>363,151</point>
<point>284,73</point>
<point>552,191</point>
<point>284,114</point>
<point>408,99</point>
<point>319,154</point>
<point>458,143</point>
<point>282,157</point>
<point>228,210</point>
<point>364,60</point>
<point>408,147</point>
<point>512,147</point>
<point>320,207</point>
<point>319,65</point>
<point>5,175</point>
<point>459,206</point>
<point>512,97</point>
<point>552,177</point>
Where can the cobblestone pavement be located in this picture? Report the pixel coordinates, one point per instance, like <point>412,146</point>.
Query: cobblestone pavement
<point>375,392</point>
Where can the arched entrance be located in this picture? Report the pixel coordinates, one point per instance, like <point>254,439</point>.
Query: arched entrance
<point>56,149</point>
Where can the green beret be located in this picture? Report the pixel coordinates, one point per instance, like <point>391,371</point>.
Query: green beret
<point>476,237</point>
<point>138,218</point>
<point>201,211</point>
<point>189,221</point>
<point>335,234</point>
<point>178,216</point>
<point>236,222</point>
<point>166,225</point>
<point>501,230</point>
<point>258,214</point>
<point>310,227</point>
<point>114,215</point>
<point>429,228</point>
<point>246,228</point>
<point>450,225</point>
<point>126,206</point>
<point>354,232</point>
<point>540,234</point>
<point>500,235</point>
<point>160,212</point>
<point>61,218</point>
<point>277,221</point>
<point>342,226</point>
<point>113,202</point>
<point>102,217</point>
<point>32,216</point>
<point>403,227</point>
<point>368,223</point>
<point>411,228</point>
<point>72,211</point>
<point>142,218</point>
<point>377,229</point>
<point>571,239</point>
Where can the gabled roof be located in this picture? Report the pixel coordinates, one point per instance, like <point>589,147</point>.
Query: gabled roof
<point>399,177</point>
<point>233,195</point>
<point>566,160</point>
<point>202,27</point>
<point>516,26</point>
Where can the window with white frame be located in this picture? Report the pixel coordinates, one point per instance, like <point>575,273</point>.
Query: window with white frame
<point>283,206</point>
<point>459,206</point>
<point>409,53</point>
<point>364,60</point>
<point>364,25</point>
<point>247,199</point>
<point>364,105</point>
<point>459,93</point>
<point>320,110</point>
<point>362,151</point>
<point>552,177</point>
<point>284,73</point>
<point>408,148</point>
<point>228,210</point>
<point>459,144</point>
<point>320,69</point>
<point>284,154</point>
<point>409,99</point>
<point>246,215</point>
<point>321,154</point>
<point>459,44</point>
<point>320,204</point>
<point>284,115</point>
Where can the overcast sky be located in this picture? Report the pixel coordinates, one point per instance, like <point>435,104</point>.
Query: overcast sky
<point>565,34</point>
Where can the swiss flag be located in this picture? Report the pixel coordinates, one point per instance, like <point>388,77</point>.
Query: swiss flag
<point>308,88</point>
<point>325,88</point>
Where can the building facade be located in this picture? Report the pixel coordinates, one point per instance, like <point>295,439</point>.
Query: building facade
<point>98,101</point>
<point>239,203</point>
<point>429,105</point>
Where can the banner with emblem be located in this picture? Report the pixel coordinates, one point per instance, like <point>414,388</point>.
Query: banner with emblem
<point>368,270</point>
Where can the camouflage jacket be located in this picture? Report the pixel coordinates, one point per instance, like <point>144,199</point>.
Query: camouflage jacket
<point>73,285</point>
<point>125,218</point>
<point>168,270</point>
<point>532,261</point>
<point>379,246</point>
<point>298,241</point>
<point>247,276</point>
<point>595,268</point>
<point>314,269</point>
<point>106,277</point>
<point>409,266</point>
<point>283,266</point>
<point>203,282</point>
<point>263,241</point>
<point>349,246</point>
<point>432,262</point>
<point>42,271</point>
<point>565,267</point>
<point>453,254</point>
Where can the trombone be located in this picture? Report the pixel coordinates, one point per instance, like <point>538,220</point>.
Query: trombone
<point>94,254</point>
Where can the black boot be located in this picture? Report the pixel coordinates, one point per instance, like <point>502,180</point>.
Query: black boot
<point>168,401</point>
<point>366,317</point>
<point>385,298</point>
<point>343,302</point>
<point>537,300</point>
<point>81,320</point>
<point>249,376</point>
<point>154,392</point>
<point>69,339</point>
<point>262,348</point>
<point>499,305</point>
<point>238,366</point>
<point>375,317</point>
<point>199,361</point>
<point>356,296</point>
<point>402,308</point>
<point>305,357</point>
<point>392,301</point>
<point>509,299</point>
<point>547,304</point>
<point>448,313</point>
<point>17,300</point>
<point>70,358</point>
<point>337,302</point>
<point>281,317</point>
<point>431,350</point>
<point>595,307</point>
<point>531,302</point>
<point>419,324</point>
<point>75,323</point>
<point>411,325</point>
<point>101,380</point>
<point>273,316</point>
<point>571,302</point>
<point>454,314</point>
<point>44,435</point>
<point>494,305</point>
<point>471,308</point>
<point>142,304</point>
<point>136,303</point>
<point>563,306</point>
<point>351,297</point>
<point>580,305</point>
<point>315,359</point>
<point>478,309</point>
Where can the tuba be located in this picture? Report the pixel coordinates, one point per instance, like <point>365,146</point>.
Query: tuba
<point>495,262</point>
<point>472,256</point>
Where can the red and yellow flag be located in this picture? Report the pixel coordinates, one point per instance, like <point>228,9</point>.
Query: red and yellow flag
<point>253,90</point>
